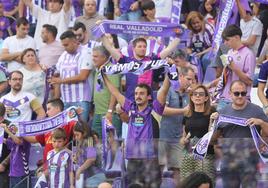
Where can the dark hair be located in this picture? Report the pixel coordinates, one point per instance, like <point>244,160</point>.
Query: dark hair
<point>56,103</point>
<point>230,31</point>
<point>79,25</point>
<point>51,29</point>
<point>83,128</point>
<point>24,53</point>
<point>139,39</point>
<point>21,21</point>
<point>147,5</point>
<point>15,71</point>
<point>196,179</point>
<point>60,1</point>
<point>203,11</point>
<point>59,133</point>
<point>239,82</point>
<point>67,34</point>
<point>2,110</point>
<point>145,86</point>
<point>115,40</point>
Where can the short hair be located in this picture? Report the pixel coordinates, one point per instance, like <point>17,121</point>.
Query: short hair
<point>2,110</point>
<point>59,133</point>
<point>79,25</point>
<point>21,21</point>
<point>139,39</point>
<point>239,82</point>
<point>145,86</point>
<point>102,50</point>
<point>196,179</point>
<point>25,51</point>
<point>230,31</point>
<point>56,103</point>
<point>51,29</point>
<point>59,1</point>
<point>15,71</point>
<point>147,5</point>
<point>67,34</point>
<point>184,70</point>
<point>179,53</point>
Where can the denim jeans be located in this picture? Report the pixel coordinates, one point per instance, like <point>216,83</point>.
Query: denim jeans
<point>85,105</point>
<point>18,182</point>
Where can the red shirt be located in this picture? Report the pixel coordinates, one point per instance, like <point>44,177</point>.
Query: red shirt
<point>45,139</point>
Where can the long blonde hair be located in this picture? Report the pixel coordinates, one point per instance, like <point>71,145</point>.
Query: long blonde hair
<point>191,104</point>
<point>192,15</point>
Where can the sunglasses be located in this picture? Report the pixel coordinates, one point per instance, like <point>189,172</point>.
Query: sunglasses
<point>201,94</point>
<point>237,93</point>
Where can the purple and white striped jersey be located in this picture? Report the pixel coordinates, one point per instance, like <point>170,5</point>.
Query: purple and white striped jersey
<point>28,14</point>
<point>202,40</point>
<point>60,165</point>
<point>70,65</point>
<point>153,47</point>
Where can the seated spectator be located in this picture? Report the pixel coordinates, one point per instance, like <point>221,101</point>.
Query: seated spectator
<point>14,45</point>
<point>197,180</point>
<point>201,37</point>
<point>34,79</point>
<point>209,11</point>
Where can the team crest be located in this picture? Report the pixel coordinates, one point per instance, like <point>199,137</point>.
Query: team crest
<point>71,113</point>
<point>13,128</point>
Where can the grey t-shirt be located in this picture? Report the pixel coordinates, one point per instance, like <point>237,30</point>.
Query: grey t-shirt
<point>171,126</point>
<point>235,131</point>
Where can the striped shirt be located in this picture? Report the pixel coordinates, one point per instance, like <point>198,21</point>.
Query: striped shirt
<point>70,65</point>
<point>60,165</point>
<point>202,40</point>
<point>27,12</point>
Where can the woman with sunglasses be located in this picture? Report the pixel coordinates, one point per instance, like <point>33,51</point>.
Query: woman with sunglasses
<point>196,123</point>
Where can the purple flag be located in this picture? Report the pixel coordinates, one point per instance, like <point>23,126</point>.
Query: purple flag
<point>2,131</point>
<point>261,1</point>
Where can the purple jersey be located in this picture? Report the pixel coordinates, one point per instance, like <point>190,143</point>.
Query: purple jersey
<point>4,26</point>
<point>9,5</point>
<point>78,7</point>
<point>60,165</point>
<point>263,75</point>
<point>19,158</point>
<point>125,5</point>
<point>143,130</point>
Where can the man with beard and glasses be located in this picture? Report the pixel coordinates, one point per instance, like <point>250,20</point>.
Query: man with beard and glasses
<point>19,104</point>
<point>143,132</point>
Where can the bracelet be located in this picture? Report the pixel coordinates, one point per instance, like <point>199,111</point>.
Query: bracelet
<point>110,110</point>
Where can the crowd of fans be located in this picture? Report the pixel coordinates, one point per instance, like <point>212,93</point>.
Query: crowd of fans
<point>50,61</point>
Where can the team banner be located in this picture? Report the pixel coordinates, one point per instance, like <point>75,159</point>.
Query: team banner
<point>201,147</point>
<point>2,131</point>
<point>139,68</point>
<point>226,13</point>
<point>31,128</point>
<point>136,28</point>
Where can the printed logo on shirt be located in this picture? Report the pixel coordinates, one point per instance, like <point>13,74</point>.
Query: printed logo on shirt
<point>53,167</point>
<point>138,121</point>
<point>238,58</point>
<point>13,113</point>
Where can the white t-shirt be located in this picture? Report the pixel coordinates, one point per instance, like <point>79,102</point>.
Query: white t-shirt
<point>252,27</point>
<point>34,82</point>
<point>60,20</point>
<point>21,106</point>
<point>14,44</point>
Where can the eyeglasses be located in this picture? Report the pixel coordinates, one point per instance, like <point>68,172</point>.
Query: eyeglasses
<point>201,94</point>
<point>237,93</point>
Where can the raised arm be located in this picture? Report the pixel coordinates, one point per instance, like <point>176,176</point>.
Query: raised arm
<point>67,5</point>
<point>171,47</point>
<point>241,9</point>
<point>28,3</point>
<point>16,139</point>
<point>162,93</point>
<point>111,49</point>
<point>114,91</point>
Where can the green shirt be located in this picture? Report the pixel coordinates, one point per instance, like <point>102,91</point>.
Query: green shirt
<point>102,98</point>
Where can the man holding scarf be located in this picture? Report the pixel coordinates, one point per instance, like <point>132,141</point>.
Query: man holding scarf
<point>143,132</point>
<point>240,167</point>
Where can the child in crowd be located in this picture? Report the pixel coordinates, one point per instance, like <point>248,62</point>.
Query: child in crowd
<point>86,158</point>
<point>19,157</point>
<point>60,174</point>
